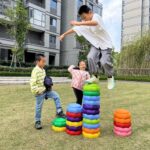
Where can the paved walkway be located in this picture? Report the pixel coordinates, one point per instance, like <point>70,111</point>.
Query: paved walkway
<point>25,80</point>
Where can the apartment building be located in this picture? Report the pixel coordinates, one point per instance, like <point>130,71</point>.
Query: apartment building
<point>135,19</point>
<point>70,48</point>
<point>45,19</point>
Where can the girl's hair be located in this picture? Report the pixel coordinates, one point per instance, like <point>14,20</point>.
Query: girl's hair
<point>77,67</point>
<point>81,61</point>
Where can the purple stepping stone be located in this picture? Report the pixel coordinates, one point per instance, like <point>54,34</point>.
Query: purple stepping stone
<point>74,128</point>
<point>91,107</point>
<point>74,119</point>
<point>90,112</point>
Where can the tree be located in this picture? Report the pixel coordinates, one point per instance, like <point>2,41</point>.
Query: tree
<point>115,56</point>
<point>136,54</point>
<point>17,25</point>
<point>84,47</point>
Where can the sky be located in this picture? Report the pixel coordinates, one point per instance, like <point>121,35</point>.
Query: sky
<point>112,19</point>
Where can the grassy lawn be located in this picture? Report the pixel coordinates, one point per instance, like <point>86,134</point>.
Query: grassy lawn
<point>17,119</point>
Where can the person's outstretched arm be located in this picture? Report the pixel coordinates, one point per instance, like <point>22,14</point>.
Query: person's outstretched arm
<point>70,31</point>
<point>84,23</point>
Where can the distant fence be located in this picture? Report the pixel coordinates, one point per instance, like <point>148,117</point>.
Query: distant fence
<point>133,72</point>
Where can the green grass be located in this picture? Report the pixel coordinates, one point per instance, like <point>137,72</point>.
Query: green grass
<point>17,119</point>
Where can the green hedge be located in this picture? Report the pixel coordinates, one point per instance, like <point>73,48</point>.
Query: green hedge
<point>66,74</point>
<point>7,71</point>
<point>57,72</point>
<point>29,69</point>
<point>54,73</point>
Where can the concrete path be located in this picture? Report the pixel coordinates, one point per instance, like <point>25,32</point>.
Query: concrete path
<point>25,80</point>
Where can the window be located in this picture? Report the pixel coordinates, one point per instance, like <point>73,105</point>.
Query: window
<point>51,59</point>
<point>91,6</point>
<point>80,3</point>
<point>53,21</point>
<point>97,10</point>
<point>53,39</point>
<point>37,17</point>
<point>54,4</point>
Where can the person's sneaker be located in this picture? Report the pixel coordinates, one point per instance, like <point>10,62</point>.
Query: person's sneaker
<point>61,115</point>
<point>38,125</point>
<point>92,80</point>
<point>111,83</point>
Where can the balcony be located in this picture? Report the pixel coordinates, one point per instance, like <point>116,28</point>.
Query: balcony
<point>40,3</point>
<point>34,42</point>
<point>35,38</point>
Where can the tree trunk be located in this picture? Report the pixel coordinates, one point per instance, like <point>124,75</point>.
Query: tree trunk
<point>14,61</point>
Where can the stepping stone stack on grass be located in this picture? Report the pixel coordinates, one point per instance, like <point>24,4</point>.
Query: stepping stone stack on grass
<point>122,123</point>
<point>91,111</point>
<point>59,124</point>
<point>74,119</point>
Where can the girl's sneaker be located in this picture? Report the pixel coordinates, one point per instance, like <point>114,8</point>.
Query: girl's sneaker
<point>111,83</point>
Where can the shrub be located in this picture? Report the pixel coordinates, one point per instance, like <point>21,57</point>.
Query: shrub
<point>136,54</point>
<point>7,71</point>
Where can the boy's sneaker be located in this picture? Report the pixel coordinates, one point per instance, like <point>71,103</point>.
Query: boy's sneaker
<point>92,80</point>
<point>61,115</point>
<point>111,83</point>
<point>38,125</point>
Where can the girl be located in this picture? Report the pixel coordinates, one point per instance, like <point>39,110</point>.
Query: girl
<point>79,76</point>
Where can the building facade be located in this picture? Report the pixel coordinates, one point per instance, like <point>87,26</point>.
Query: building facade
<point>70,48</point>
<point>135,19</point>
<point>45,20</point>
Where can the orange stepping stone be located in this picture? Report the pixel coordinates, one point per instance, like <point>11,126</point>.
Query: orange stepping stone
<point>122,116</point>
<point>122,120</point>
<point>91,131</point>
<point>122,111</point>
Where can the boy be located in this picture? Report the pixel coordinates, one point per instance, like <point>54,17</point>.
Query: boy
<point>39,90</point>
<point>92,28</point>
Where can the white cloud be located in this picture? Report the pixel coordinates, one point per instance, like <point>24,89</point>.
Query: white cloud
<point>112,20</point>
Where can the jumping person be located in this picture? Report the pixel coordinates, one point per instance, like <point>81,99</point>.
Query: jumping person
<point>79,76</point>
<point>39,90</point>
<point>100,56</point>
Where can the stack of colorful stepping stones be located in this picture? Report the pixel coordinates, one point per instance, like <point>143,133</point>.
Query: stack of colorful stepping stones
<point>59,124</point>
<point>91,111</point>
<point>122,123</point>
<point>74,119</point>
